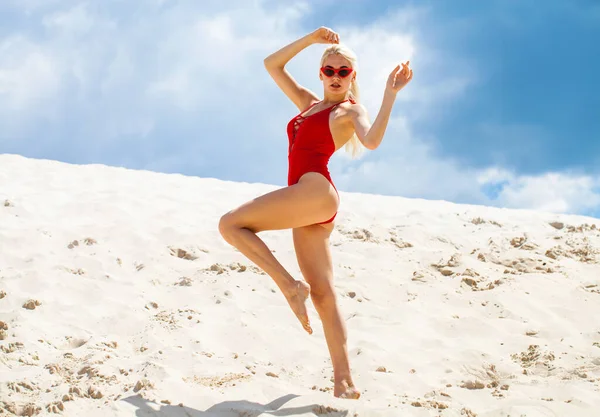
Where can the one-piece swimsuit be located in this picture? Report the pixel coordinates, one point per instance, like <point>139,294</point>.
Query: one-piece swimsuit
<point>311,145</point>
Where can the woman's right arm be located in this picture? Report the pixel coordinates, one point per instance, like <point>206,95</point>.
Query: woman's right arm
<point>275,65</point>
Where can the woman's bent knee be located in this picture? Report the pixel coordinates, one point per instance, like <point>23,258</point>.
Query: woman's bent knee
<point>323,297</point>
<point>227,227</point>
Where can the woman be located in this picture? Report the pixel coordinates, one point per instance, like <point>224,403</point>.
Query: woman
<point>309,204</point>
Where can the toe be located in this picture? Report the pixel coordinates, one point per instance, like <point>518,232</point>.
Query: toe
<point>308,328</point>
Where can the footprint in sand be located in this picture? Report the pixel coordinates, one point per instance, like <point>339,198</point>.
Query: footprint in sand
<point>533,360</point>
<point>443,267</point>
<point>419,276</point>
<point>78,271</point>
<point>361,234</point>
<point>92,392</point>
<point>19,387</point>
<point>110,345</point>
<point>12,347</point>
<point>218,381</point>
<point>28,395</point>
<point>234,266</point>
<point>73,343</point>
<point>21,410</point>
<point>581,250</point>
<point>364,235</point>
<point>478,221</point>
<point>31,304</point>
<point>322,410</point>
<point>582,228</point>
<point>480,256</point>
<point>526,266</point>
<point>556,252</point>
<point>467,413</point>
<point>473,385</point>
<point>591,288</point>
<point>398,242</point>
<point>184,282</point>
<point>143,385</point>
<point>55,407</point>
<point>523,243</point>
<point>218,268</point>
<point>487,377</point>
<point>3,330</point>
<point>429,404</point>
<point>180,253</point>
<point>88,241</point>
<point>471,279</point>
<point>189,254</point>
<point>95,393</point>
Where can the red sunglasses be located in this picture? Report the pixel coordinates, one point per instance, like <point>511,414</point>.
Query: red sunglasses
<point>342,72</point>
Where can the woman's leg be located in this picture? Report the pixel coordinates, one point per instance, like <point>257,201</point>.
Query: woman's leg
<point>314,259</point>
<point>311,200</point>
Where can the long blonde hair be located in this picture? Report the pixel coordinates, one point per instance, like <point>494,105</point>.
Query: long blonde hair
<point>353,146</point>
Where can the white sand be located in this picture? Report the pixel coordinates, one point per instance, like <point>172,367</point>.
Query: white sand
<point>467,318</point>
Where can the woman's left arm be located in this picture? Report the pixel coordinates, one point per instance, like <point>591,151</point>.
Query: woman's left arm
<point>372,135</point>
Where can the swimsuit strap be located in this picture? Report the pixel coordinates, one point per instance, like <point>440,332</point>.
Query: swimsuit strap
<point>337,104</point>
<point>307,109</point>
<point>320,111</point>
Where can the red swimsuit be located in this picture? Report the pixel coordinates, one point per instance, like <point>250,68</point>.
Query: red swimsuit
<point>310,146</point>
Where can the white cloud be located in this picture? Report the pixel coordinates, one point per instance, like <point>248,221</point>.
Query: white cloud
<point>553,192</point>
<point>28,74</point>
<point>74,22</point>
<point>29,81</point>
<point>402,165</point>
<point>494,175</point>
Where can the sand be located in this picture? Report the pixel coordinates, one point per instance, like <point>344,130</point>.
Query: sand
<point>118,297</point>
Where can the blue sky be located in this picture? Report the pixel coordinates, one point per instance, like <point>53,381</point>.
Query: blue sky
<point>503,109</point>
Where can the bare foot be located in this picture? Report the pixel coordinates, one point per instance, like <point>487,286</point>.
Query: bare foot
<point>347,390</point>
<point>297,301</point>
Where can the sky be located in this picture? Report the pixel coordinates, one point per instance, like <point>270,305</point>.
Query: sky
<point>503,109</point>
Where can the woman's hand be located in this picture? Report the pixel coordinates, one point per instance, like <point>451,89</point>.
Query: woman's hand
<point>324,35</point>
<point>399,78</point>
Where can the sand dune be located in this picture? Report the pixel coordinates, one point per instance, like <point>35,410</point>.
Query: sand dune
<point>118,297</point>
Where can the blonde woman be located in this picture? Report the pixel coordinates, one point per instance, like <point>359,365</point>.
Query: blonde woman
<point>309,204</point>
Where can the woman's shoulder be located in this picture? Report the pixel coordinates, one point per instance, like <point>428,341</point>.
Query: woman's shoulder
<point>354,108</point>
